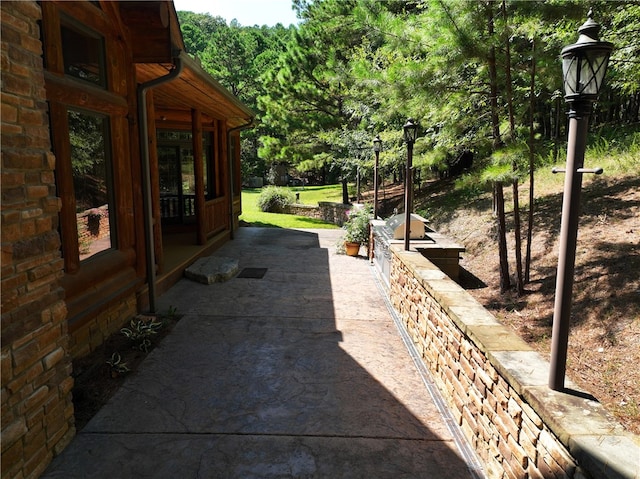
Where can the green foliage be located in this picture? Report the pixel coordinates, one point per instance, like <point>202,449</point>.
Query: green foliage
<point>117,366</point>
<point>356,68</point>
<point>172,312</point>
<point>237,56</point>
<point>498,173</point>
<point>252,214</point>
<point>275,199</point>
<point>356,228</point>
<point>140,330</point>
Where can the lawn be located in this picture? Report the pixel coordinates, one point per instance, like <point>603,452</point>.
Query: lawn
<point>308,195</point>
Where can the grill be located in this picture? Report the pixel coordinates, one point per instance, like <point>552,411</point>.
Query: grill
<point>436,247</point>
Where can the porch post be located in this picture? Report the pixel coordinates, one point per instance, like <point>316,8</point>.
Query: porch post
<point>196,134</point>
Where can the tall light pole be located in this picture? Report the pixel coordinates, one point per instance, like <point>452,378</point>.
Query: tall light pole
<point>410,134</point>
<point>584,65</point>
<point>377,146</point>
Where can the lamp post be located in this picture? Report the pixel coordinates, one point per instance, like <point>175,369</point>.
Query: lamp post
<point>410,134</point>
<point>377,146</point>
<point>584,65</point>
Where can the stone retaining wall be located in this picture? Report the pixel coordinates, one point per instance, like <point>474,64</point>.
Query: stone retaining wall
<point>496,386</point>
<point>335,213</point>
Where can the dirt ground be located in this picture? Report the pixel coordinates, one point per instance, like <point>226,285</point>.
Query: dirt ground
<point>95,381</point>
<point>604,340</point>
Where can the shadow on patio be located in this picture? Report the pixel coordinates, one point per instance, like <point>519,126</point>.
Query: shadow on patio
<point>300,373</point>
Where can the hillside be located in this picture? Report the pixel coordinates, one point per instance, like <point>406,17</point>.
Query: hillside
<point>604,343</point>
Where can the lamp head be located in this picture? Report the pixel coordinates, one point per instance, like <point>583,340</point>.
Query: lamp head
<point>584,63</point>
<point>410,131</point>
<point>377,144</point>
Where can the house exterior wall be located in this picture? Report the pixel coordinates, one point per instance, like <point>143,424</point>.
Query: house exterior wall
<point>59,301</point>
<point>37,412</point>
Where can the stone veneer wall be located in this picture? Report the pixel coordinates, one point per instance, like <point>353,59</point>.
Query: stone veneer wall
<point>496,386</point>
<point>335,213</point>
<point>37,412</point>
<point>93,333</point>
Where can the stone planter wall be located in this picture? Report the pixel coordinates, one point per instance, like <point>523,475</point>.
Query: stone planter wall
<point>496,386</point>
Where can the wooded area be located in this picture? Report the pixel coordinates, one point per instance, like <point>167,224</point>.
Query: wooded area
<point>483,77</point>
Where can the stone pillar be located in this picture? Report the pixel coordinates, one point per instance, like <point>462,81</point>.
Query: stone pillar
<point>37,412</point>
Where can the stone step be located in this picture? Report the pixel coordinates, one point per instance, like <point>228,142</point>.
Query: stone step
<point>212,269</point>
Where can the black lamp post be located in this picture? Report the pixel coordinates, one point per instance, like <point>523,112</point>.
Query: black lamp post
<point>377,146</point>
<point>584,65</point>
<point>410,134</point>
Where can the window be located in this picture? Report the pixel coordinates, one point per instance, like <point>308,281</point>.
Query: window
<point>181,162</point>
<point>92,181</point>
<point>83,53</point>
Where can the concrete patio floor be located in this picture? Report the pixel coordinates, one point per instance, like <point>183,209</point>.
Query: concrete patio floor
<point>302,373</point>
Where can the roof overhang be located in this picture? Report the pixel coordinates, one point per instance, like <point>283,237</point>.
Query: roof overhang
<point>193,89</point>
<point>157,41</point>
<point>153,30</point>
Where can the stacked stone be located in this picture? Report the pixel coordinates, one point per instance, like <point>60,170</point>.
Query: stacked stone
<point>37,412</point>
<point>92,334</point>
<point>508,435</point>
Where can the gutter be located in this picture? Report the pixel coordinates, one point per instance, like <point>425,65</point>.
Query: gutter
<point>146,172</point>
<point>248,125</point>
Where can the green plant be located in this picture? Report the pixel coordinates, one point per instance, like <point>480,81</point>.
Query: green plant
<point>252,214</point>
<point>172,312</point>
<point>274,199</point>
<point>116,364</point>
<point>141,328</point>
<point>357,225</point>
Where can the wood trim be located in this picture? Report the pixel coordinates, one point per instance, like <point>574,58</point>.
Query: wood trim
<point>52,43</point>
<point>121,182</point>
<point>94,271</point>
<point>196,135</point>
<point>179,117</point>
<point>221,162</point>
<point>237,166</point>
<point>64,185</point>
<point>86,13</point>
<point>82,95</point>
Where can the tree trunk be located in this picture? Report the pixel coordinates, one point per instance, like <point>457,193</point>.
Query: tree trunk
<point>518,239</point>
<point>505,282</point>
<point>345,191</point>
<point>514,164</point>
<point>532,103</point>
<point>493,83</point>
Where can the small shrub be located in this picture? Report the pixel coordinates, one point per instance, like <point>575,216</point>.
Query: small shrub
<point>274,199</point>
<point>140,330</point>
<point>117,366</point>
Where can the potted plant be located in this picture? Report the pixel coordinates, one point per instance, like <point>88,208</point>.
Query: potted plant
<point>356,229</point>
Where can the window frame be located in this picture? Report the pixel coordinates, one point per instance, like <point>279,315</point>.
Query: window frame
<point>68,92</point>
<point>67,21</point>
<point>109,179</point>
<point>208,143</point>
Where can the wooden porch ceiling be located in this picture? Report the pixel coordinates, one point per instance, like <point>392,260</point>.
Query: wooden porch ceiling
<point>194,88</point>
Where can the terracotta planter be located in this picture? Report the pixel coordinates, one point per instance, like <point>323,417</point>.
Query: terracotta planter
<point>351,249</point>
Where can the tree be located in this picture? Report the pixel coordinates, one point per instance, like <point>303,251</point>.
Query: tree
<point>311,102</point>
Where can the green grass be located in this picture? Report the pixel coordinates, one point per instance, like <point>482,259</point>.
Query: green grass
<point>309,195</point>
